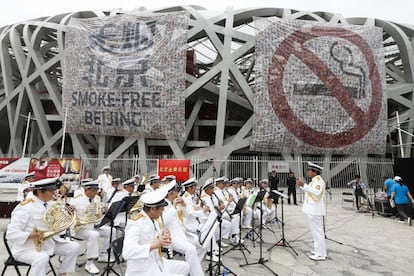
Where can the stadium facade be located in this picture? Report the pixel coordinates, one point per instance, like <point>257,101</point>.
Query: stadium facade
<point>219,94</point>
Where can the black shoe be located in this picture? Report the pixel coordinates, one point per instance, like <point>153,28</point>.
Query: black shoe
<point>296,204</point>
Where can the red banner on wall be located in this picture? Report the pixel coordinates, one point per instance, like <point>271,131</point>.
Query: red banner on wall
<point>48,167</point>
<point>179,168</point>
<point>4,162</point>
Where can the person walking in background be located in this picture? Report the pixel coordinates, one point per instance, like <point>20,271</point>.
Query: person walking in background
<point>359,188</point>
<point>400,195</point>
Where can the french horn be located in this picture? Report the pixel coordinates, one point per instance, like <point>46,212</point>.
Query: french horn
<point>58,217</point>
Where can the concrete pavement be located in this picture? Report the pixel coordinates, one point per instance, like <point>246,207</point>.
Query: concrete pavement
<point>358,244</point>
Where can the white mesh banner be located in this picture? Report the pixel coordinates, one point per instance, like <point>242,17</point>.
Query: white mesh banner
<point>320,88</point>
<point>124,75</point>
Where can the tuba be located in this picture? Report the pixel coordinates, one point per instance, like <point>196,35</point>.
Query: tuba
<point>58,217</point>
<point>93,213</point>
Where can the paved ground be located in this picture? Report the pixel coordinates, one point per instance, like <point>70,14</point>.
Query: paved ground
<point>359,244</point>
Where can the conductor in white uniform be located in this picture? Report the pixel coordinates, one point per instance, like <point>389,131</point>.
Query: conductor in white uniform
<point>144,238</point>
<point>314,208</point>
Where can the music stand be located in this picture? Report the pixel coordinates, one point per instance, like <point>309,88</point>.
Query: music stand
<point>282,242</point>
<point>261,260</point>
<point>218,265</point>
<point>259,198</point>
<point>109,217</point>
<point>129,203</point>
<point>239,208</point>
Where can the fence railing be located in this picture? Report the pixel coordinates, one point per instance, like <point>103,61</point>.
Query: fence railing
<point>338,171</point>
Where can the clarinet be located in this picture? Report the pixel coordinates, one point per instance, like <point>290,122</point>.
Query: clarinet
<point>170,251</point>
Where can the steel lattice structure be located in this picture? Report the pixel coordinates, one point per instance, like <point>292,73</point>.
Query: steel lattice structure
<point>219,94</point>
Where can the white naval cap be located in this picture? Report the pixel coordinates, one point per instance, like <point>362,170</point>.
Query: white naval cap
<point>264,180</point>
<point>29,175</point>
<point>234,180</point>
<point>209,182</point>
<point>153,177</point>
<point>129,182</point>
<point>398,178</point>
<point>106,168</point>
<point>155,198</point>
<point>94,184</point>
<point>137,176</point>
<point>86,180</point>
<point>190,182</point>
<point>248,180</point>
<point>116,180</point>
<point>47,183</point>
<point>315,167</point>
<point>220,179</point>
<point>169,178</point>
<point>170,186</point>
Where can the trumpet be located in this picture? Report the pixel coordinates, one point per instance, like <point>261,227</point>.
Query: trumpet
<point>58,217</point>
<point>93,213</point>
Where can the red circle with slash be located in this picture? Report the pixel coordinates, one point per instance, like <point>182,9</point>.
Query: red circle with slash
<point>294,45</point>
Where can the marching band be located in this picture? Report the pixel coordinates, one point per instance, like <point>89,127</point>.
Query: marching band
<point>167,217</point>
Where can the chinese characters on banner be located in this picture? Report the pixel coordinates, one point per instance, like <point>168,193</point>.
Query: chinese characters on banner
<point>179,168</point>
<point>124,75</point>
<point>320,88</point>
<point>278,166</point>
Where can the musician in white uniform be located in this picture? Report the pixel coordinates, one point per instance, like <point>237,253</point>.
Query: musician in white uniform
<point>180,242</point>
<point>20,232</point>
<point>144,237</point>
<point>105,179</point>
<point>195,215</point>
<point>212,201</point>
<point>88,232</point>
<point>25,186</point>
<point>314,208</point>
<point>245,192</point>
<point>110,193</point>
<point>237,192</point>
<point>153,183</point>
<point>129,186</point>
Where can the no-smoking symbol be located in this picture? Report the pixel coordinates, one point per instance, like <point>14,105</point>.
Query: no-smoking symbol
<point>364,120</point>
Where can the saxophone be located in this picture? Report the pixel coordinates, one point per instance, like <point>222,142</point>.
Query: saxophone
<point>93,213</point>
<point>58,217</point>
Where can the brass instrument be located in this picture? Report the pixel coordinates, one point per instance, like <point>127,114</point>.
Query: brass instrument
<point>58,217</point>
<point>93,213</point>
<point>142,183</point>
<point>135,209</point>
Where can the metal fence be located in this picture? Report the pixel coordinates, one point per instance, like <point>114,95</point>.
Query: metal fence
<point>338,171</point>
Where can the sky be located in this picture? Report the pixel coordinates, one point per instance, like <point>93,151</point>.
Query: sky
<point>400,11</point>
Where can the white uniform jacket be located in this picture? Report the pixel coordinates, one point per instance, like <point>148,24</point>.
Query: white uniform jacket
<point>26,216</point>
<point>314,203</point>
<point>192,216</point>
<point>172,222</point>
<point>81,202</point>
<point>140,233</point>
<point>105,182</point>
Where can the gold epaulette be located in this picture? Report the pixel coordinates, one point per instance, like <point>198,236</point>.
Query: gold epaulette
<point>137,217</point>
<point>79,195</point>
<point>318,177</point>
<point>186,194</point>
<point>26,201</point>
